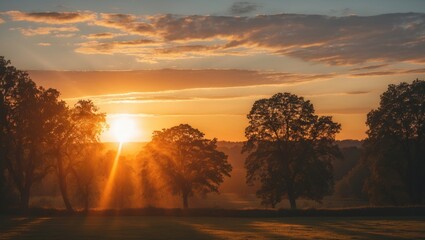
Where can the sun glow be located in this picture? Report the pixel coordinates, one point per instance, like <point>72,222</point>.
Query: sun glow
<point>124,128</point>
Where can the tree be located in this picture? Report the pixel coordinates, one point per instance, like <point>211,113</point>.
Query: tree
<point>290,149</point>
<point>26,125</point>
<point>76,131</point>
<point>87,174</point>
<point>188,163</point>
<point>39,132</point>
<point>395,146</point>
<point>8,74</point>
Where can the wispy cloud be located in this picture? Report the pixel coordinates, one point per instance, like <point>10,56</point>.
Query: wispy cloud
<point>126,22</point>
<point>332,40</point>
<point>64,35</point>
<point>46,30</point>
<point>390,72</point>
<point>1,21</point>
<point>52,17</point>
<point>104,35</point>
<point>44,44</point>
<point>346,40</point>
<point>80,83</point>
<point>133,47</point>
<point>371,67</point>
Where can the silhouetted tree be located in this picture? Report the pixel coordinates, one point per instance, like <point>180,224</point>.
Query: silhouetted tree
<point>76,131</point>
<point>188,162</point>
<point>395,147</point>
<point>26,126</point>
<point>290,149</point>
<point>8,75</point>
<point>87,174</point>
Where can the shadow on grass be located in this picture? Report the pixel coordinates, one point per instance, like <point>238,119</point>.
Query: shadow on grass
<point>214,224</point>
<point>150,227</point>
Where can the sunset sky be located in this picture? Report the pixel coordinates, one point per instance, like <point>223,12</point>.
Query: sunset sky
<point>204,63</point>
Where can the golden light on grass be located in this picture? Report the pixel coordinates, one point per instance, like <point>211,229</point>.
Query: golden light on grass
<point>124,128</point>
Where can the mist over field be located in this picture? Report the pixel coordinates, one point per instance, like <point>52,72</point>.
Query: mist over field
<point>234,192</point>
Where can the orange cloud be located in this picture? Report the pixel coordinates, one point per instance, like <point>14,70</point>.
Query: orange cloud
<point>126,23</point>
<point>104,35</point>
<point>1,21</point>
<point>52,17</point>
<point>65,35</point>
<point>43,44</point>
<point>390,72</point>
<point>332,40</point>
<point>46,30</point>
<point>343,40</point>
<point>133,47</point>
<point>81,83</point>
<point>369,67</point>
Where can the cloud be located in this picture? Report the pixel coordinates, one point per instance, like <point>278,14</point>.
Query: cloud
<point>76,83</point>
<point>243,8</point>
<point>343,40</point>
<point>419,70</point>
<point>104,35</point>
<point>52,17</point>
<point>357,92</point>
<point>390,72</point>
<point>126,22</point>
<point>369,67</point>
<point>133,47</point>
<point>65,35</point>
<point>376,73</point>
<point>46,30</point>
<point>1,21</point>
<point>44,44</point>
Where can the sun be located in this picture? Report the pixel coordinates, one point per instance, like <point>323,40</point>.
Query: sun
<point>123,128</point>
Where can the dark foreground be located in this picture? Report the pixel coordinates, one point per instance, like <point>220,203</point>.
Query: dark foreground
<point>171,227</point>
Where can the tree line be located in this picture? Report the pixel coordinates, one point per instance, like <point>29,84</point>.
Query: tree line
<point>289,149</point>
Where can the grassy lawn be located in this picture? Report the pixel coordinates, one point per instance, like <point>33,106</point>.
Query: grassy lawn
<point>146,227</point>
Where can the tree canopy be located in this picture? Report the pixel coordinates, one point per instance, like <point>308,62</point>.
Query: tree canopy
<point>395,146</point>
<point>40,133</point>
<point>27,123</point>
<point>188,163</point>
<point>290,149</point>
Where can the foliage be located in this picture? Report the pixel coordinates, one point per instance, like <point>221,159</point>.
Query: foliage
<point>27,123</point>
<point>76,134</point>
<point>188,163</point>
<point>395,146</point>
<point>290,149</point>
<point>40,133</point>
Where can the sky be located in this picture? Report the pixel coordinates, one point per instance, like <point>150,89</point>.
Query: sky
<point>205,63</point>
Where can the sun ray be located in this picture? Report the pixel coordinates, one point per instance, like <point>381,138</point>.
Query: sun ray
<point>106,196</point>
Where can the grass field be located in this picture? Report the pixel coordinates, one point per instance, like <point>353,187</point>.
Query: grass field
<point>148,227</point>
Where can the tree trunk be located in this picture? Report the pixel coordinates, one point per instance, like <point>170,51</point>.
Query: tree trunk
<point>63,186</point>
<point>2,186</point>
<point>292,201</point>
<point>25,198</point>
<point>291,197</point>
<point>291,194</point>
<point>185,196</point>
<point>64,191</point>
